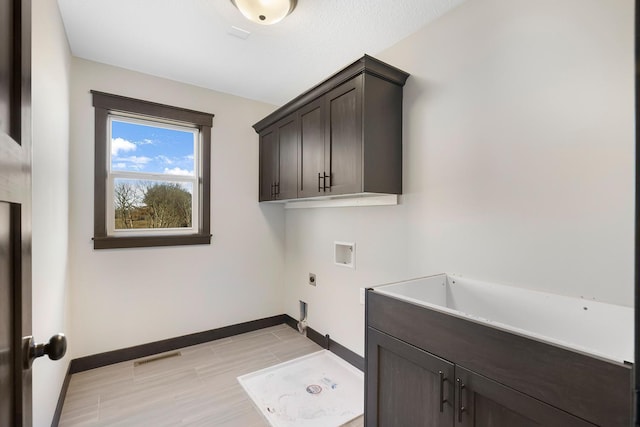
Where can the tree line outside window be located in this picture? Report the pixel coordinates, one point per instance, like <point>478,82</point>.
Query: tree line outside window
<point>147,204</point>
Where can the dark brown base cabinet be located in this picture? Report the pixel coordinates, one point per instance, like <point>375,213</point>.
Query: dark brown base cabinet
<point>409,386</point>
<point>342,137</point>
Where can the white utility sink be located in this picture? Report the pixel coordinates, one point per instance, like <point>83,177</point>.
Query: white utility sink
<point>591,327</point>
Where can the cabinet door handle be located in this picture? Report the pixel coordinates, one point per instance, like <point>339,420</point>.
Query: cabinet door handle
<point>442,399</point>
<point>327,187</point>
<point>461,408</point>
<point>320,186</point>
<point>277,188</point>
<point>272,187</point>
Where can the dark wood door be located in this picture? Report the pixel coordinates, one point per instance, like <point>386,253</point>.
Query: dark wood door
<point>15,210</point>
<point>268,164</point>
<point>312,169</point>
<point>482,402</point>
<point>343,150</point>
<point>287,182</point>
<point>406,386</point>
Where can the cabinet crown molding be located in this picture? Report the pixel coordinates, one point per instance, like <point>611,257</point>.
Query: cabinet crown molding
<point>365,65</point>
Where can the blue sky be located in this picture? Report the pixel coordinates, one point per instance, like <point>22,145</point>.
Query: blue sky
<point>140,148</point>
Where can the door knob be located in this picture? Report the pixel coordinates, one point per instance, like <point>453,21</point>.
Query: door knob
<point>55,349</point>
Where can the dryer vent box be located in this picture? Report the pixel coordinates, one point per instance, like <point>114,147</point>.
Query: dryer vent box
<point>345,254</point>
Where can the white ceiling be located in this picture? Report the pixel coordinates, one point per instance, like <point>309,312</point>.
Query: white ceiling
<point>189,40</point>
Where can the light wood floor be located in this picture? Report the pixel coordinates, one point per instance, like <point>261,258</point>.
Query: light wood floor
<point>199,388</point>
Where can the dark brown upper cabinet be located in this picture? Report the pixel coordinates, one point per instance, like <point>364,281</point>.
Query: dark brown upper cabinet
<point>348,136</point>
<point>344,146</point>
<point>278,160</point>
<point>312,153</point>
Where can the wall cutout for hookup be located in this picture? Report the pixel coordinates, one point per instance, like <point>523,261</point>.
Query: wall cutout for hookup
<point>344,254</point>
<point>302,323</point>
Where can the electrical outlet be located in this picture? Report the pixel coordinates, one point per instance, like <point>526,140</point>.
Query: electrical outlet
<point>312,279</point>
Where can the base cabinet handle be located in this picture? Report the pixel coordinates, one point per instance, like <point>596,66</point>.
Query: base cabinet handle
<point>442,399</point>
<point>461,408</point>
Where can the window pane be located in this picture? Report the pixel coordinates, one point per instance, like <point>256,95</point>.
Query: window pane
<point>151,149</point>
<point>142,204</point>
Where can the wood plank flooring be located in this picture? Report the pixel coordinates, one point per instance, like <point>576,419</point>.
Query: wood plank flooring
<point>198,388</point>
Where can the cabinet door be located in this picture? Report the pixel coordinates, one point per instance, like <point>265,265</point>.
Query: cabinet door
<point>268,163</point>
<point>312,142</point>
<point>287,178</point>
<point>482,402</point>
<point>343,150</point>
<point>406,386</point>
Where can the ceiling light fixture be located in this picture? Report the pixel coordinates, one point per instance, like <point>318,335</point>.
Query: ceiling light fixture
<point>265,12</point>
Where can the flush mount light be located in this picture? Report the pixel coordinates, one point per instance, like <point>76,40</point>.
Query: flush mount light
<point>265,12</point>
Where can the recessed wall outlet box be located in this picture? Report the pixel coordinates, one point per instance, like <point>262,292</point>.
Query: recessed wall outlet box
<point>312,279</point>
<point>362,293</point>
<point>344,254</point>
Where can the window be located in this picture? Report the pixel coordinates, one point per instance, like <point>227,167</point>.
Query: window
<point>152,174</point>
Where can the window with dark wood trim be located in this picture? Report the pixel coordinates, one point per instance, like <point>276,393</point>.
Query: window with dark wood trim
<point>196,229</point>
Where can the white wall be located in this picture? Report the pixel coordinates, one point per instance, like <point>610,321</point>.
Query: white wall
<point>127,297</point>
<point>51,63</point>
<point>518,164</point>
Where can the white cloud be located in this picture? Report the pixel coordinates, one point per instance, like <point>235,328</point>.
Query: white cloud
<point>120,165</point>
<point>139,160</point>
<point>165,159</point>
<point>136,162</point>
<point>178,171</point>
<point>120,144</point>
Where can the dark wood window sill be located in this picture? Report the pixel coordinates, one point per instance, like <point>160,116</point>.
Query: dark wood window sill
<point>150,241</point>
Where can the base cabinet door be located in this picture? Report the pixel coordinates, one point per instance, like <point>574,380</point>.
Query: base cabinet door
<point>405,385</point>
<point>482,402</point>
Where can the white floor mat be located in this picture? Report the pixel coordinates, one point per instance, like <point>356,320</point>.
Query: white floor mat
<point>316,390</point>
